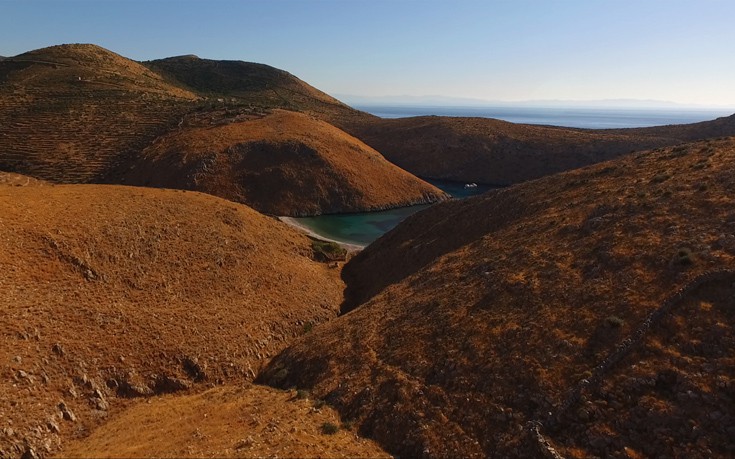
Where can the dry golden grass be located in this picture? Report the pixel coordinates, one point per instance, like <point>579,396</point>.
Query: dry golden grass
<point>83,114</point>
<point>476,317</point>
<point>109,292</point>
<point>249,421</point>
<point>73,65</point>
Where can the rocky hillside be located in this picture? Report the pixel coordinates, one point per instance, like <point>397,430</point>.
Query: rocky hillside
<point>71,112</point>
<point>281,163</point>
<point>115,293</point>
<point>501,153</point>
<point>589,312</point>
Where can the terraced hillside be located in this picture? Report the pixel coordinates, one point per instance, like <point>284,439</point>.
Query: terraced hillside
<point>82,114</point>
<point>253,85</point>
<point>590,312</point>
<point>501,153</point>
<point>281,163</point>
<point>111,294</point>
<point>69,113</point>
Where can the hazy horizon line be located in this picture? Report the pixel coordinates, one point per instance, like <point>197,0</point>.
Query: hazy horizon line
<point>449,101</point>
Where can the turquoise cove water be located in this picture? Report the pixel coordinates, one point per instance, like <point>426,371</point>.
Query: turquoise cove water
<point>363,228</point>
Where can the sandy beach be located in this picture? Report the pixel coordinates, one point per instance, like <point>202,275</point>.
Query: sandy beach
<point>294,223</point>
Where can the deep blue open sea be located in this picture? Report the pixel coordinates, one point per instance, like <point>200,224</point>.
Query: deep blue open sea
<point>590,118</point>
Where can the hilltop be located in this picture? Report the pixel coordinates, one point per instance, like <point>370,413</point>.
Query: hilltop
<point>281,163</point>
<point>251,84</point>
<point>64,66</point>
<point>113,294</point>
<point>71,112</point>
<point>497,152</point>
<point>490,326</point>
<point>83,114</point>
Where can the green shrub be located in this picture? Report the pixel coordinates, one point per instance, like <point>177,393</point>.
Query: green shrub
<point>329,428</point>
<point>328,251</point>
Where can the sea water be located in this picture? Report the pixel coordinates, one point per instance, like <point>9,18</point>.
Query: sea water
<point>363,228</point>
<point>589,118</point>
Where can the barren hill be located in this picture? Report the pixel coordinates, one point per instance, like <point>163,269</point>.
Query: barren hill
<point>282,163</point>
<point>112,293</point>
<point>70,112</point>
<point>251,84</point>
<point>590,312</point>
<point>80,114</point>
<point>502,153</point>
<point>83,114</point>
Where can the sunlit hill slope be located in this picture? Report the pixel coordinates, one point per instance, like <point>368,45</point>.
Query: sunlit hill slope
<point>112,293</point>
<point>83,114</point>
<point>282,163</point>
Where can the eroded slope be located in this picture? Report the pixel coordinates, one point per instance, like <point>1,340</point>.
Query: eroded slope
<point>479,316</point>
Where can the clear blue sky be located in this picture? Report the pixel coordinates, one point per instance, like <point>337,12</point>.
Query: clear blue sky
<point>673,50</point>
